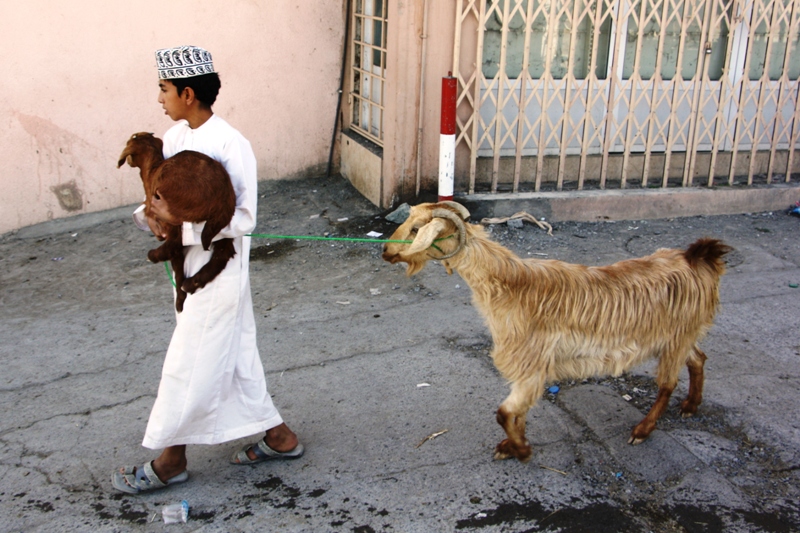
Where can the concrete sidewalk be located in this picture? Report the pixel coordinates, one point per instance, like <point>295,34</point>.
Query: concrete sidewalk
<point>365,364</point>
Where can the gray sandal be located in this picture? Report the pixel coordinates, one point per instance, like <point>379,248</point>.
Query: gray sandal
<point>136,479</point>
<point>264,453</point>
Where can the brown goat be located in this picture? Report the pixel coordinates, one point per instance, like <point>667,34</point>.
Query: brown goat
<point>196,188</point>
<point>554,321</point>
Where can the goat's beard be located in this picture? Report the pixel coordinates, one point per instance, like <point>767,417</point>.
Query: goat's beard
<point>414,267</point>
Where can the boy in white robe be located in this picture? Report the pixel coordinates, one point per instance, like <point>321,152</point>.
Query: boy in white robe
<point>212,386</point>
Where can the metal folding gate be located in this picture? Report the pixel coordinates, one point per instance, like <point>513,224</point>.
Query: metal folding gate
<point>643,80</point>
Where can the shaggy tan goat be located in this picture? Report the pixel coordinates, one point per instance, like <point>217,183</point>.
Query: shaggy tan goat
<point>554,321</point>
<point>196,188</point>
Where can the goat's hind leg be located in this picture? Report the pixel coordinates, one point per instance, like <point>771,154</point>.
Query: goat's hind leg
<point>695,363</point>
<point>511,416</point>
<point>669,366</point>
<point>177,262</point>
<point>222,253</point>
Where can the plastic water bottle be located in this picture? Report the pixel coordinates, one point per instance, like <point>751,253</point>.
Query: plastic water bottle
<point>175,512</point>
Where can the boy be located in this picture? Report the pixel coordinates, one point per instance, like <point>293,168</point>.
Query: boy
<point>212,386</point>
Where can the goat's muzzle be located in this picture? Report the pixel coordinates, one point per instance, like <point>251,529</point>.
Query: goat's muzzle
<point>389,256</point>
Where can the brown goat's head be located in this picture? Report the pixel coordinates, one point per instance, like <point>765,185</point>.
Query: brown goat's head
<point>141,147</point>
<point>437,232</point>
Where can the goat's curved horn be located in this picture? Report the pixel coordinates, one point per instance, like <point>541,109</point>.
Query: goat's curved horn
<point>458,207</point>
<point>462,231</point>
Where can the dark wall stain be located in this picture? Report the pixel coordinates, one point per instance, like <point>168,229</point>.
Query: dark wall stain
<point>69,196</point>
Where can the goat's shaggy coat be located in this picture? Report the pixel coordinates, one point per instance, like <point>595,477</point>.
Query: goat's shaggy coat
<point>554,321</point>
<point>196,188</point>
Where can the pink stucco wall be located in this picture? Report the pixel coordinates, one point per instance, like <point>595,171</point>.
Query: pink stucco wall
<point>79,78</point>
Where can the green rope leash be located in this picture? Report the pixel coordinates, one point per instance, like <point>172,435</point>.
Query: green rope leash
<point>169,273</point>
<point>312,238</point>
<point>348,239</point>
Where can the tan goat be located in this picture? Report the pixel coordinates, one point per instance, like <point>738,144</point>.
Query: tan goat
<point>555,321</point>
<point>196,188</point>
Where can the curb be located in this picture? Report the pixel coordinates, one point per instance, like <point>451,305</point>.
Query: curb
<point>593,206</point>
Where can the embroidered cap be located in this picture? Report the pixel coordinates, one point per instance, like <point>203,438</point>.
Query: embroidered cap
<point>183,62</point>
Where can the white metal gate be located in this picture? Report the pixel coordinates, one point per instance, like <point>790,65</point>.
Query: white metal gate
<point>633,79</point>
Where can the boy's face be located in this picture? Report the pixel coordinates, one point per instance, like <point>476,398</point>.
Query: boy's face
<point>174,106</point>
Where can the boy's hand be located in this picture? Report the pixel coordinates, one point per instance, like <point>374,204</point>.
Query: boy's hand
<point>160,210</point>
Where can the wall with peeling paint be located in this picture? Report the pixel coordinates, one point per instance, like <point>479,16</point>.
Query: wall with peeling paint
<point>79,78</point>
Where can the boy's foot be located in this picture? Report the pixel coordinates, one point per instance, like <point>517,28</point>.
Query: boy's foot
<point>263,452</point>
<point>136,479</point>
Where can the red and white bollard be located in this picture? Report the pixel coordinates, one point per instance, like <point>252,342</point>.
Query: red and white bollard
<point>447,139</point>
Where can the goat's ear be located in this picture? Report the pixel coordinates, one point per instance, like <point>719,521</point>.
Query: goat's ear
<point>426,235</point>
<point>124,157</point>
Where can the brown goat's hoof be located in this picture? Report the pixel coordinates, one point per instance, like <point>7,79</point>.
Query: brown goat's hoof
<point>688,409</point>
<point>507,450</point>
<point>152,257</point>
<point>189,287</point>
<point>179,299</point>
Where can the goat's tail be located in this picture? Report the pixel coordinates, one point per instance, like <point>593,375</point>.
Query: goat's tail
<point>709,252</point>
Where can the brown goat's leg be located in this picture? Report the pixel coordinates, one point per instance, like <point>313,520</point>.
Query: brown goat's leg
<point>222,253</point>
<point>695,364</point>
<point>648,424</point>
<point>669,366</point>
<point>177,269</point>
<point>166,251</point>
<point>511,416</point>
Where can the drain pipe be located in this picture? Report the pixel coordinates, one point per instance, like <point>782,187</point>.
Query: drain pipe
<point>341,88</point>
<point>420,112</point>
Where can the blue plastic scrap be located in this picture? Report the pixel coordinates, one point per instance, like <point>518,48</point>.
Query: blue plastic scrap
<point>554,389</point>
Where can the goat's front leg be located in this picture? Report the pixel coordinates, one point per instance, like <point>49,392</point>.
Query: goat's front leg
<point>696,362</point>
<point>511,416</point>
<point>171,248</point>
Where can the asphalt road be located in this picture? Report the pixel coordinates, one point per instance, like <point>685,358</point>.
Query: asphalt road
<point>388,383</point>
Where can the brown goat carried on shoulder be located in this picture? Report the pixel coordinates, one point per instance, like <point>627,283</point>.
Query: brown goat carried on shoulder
<point>196,188</point>
<point>555,321</point>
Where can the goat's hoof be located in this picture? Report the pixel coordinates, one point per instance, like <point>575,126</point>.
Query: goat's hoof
<point>688,409</point>
<point>189,287</point>
<point>507,450</point>
<point>633,441</point>
<point>179,302</point>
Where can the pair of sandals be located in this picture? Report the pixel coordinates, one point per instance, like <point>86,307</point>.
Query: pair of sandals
<point>138,479</point>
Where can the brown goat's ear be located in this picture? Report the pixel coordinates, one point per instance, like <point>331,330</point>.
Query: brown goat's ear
<point>426,235</point>
<point>123,157</point>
